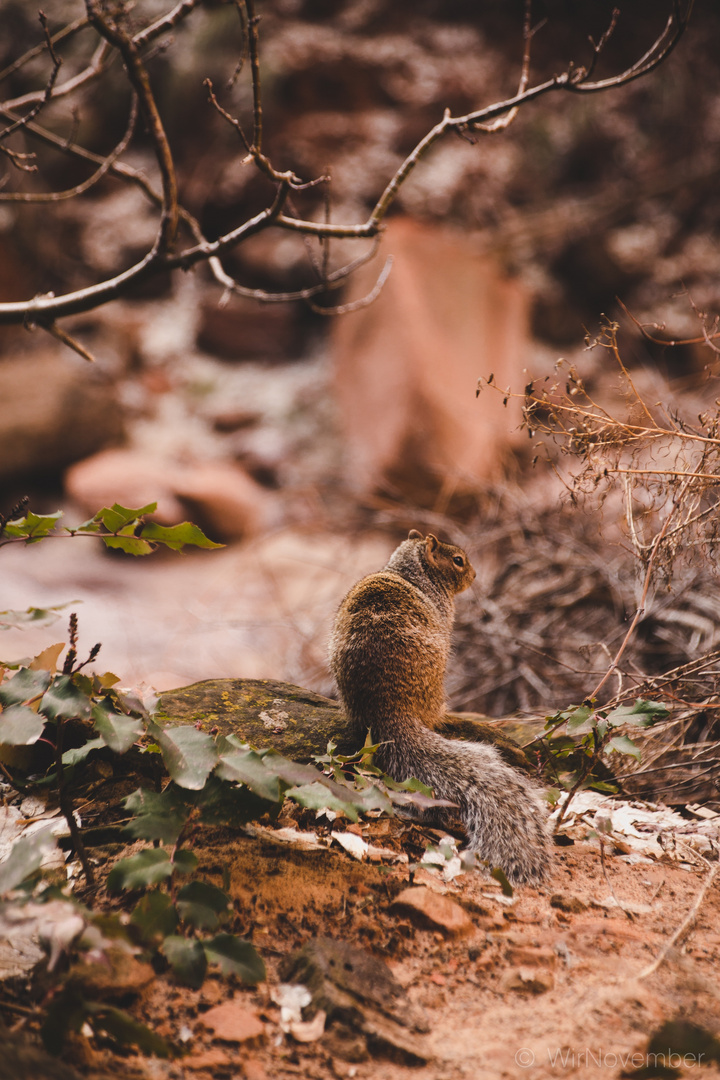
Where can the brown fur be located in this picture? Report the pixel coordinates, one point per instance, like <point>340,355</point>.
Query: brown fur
<point>388,651</point>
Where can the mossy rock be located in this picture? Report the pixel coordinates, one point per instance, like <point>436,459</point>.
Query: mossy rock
<point>297,722</point>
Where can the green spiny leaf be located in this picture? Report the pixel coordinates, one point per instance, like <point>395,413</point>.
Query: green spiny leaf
<point>32,527</point>
<point>63,700</point>
<point>177,536</point>
<point>155,916</point>
<point>640,714</point>
<point>117,731</point>
<point>79,753</point>
<point>25,685</point>
<point>201,904</point>
<point>25,858</point>
<point>131,545</point>
<point>36,616</point>
<point>317,797</point>
<point>157,816</point>
<point>117,517</point>
<point>621,744</point>
<point>235,957</point>
<point>20,726</point>
<point>185,862</point>
<point>189,755</point>
<point>127,1031</point>
<point>247,767</point>
<point>187,959</point>
<point>140,871</point>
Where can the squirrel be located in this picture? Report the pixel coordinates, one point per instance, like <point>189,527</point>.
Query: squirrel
<point>388,652</point>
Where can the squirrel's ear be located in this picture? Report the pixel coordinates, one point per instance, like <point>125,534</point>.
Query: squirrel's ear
<point>415,535</point>
<point>432,542</point>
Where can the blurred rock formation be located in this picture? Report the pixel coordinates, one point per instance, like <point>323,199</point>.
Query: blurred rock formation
<point>407,367</point>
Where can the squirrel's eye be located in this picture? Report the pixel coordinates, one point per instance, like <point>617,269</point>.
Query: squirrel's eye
<point>459,561</point>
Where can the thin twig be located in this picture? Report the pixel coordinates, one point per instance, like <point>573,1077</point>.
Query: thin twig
<point>44,95</point>
<point>640,611</point>
<point>66,807</point>
<point>116,36</point>
<point>684,925</point>
<point>363,302</point>
<point>625,911</point>
<point>71,193</point>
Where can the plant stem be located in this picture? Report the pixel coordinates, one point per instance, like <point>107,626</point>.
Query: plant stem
<point>66,807</point>
<point>677,501</point>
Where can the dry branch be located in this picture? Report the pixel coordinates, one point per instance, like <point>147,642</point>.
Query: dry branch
<point>171,250</point>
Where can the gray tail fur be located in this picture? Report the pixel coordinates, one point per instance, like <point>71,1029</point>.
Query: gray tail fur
<point>502,813</point>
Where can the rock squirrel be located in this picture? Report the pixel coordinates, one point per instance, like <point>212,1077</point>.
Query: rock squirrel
<point>388,652</point>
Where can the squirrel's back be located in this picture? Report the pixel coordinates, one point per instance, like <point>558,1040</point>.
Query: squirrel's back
<point>389,645</point>
<point>388,651</point>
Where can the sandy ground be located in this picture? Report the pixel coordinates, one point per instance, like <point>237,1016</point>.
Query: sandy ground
<point>553,983</point>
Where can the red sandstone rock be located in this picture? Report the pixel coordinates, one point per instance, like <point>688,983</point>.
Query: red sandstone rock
<point>407,366</point>
<point>218,496</point>
<point>232,1022</point>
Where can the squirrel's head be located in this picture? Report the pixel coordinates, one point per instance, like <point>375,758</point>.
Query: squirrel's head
<point>445,562</point>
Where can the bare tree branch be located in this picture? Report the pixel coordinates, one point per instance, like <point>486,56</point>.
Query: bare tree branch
<point>165,23</point>
<point>168,253</point>
<point>79,189</point>
<point>96,66</point>
<point>45,95</point>
<point>113,33</point>
<point>57,38</point>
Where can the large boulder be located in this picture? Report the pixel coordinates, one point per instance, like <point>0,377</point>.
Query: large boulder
<point>297,722</point>
<point>219,496</point>
<point>407,367</point>
<point>54,409</point>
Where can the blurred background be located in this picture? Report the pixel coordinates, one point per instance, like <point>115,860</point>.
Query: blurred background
<point>309,444</point>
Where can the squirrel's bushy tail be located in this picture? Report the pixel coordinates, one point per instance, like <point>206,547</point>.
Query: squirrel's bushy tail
<point>500,808</point>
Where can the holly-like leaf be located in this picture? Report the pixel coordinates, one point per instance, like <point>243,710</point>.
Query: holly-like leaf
<point>580,721</point>
<point>187,959</point>
<point>20,726</point>
<point>189,755</point>
<point>185,862</point>
<point>23,686</point>
<point>155,916</point>
<point>156,815</point>
<point>127,1031</point>
<point>140,871</point>
<point>316,796</point>
<point>201,904</point>
<point>63,700</point>
<point>235,957</point>
<point>26,856</point>
<point>292,772</point>
<point>117,517</point>
<point>177,536</point>
<point>640,714</point>
<point>131,545</point>
<point>603,785</point>
<point>32,527</point>
<point>105,681</point>
<point>79,753</point>
<point>247,767</point>
<point>117,731</point>
<point>621,744</point>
